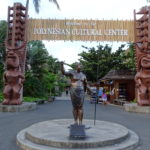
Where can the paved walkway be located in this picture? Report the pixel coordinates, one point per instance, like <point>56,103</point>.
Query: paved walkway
<point>67,97</point>
<point>63,97</point>
<point>12,123</point>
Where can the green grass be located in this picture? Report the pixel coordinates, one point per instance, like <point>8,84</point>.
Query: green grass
<point>25,99</point>
<point>31,99</point>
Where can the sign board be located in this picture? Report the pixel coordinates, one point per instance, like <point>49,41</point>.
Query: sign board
<point>81,30</point>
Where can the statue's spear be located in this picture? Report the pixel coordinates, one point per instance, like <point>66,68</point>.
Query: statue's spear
<point>96,101</point>
<point>67,64</point>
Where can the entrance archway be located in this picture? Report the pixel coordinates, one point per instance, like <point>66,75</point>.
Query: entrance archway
<point>86,30</point>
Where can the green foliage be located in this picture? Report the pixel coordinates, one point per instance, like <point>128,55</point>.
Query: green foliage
<point>50,82</point>
<point>37,56</point>
<point>31,99</point>
<point>33,86</point>
<point>62,83</point>
<point>1,97</point>
<point>36,68</point>
<point>3,29</point>
<point>129,60</point>
<point>124,59</point>
<point>1,76</point>
<point>42,75</point>
<point>97,62</point>
<point>53,65</point>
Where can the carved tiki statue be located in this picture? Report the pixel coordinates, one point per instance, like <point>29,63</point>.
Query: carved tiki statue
<point>16,54</point>
<point>142,52</point>
<point>13,79</point>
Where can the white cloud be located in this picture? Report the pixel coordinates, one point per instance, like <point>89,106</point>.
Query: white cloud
<point>64,51</point>
<point>67,53</point>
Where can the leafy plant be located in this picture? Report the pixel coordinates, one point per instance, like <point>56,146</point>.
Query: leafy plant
<point>98,61</point>
<point>1,97</point>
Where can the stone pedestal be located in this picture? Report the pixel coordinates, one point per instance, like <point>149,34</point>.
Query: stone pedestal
<point>77,132</point>
<point>18,108</point>
<point>54,135</point>
<point>133,107</point>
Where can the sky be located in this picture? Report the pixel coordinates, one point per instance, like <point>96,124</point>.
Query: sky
<point>78,9</point>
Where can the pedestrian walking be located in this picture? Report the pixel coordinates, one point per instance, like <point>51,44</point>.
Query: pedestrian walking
<point>104,97</point>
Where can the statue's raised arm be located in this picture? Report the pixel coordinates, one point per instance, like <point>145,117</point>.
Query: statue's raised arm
<point>63,70</point>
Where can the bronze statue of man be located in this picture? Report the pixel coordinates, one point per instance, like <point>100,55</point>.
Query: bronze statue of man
<point>77,91</point>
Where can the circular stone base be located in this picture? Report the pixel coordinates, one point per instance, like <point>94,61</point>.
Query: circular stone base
<point>136,108</point>
<point>25,106</point>
<point>54,135</point>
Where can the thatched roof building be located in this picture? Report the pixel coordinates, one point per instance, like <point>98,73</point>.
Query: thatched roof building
<point>119,75</point>
<point>123,83</point>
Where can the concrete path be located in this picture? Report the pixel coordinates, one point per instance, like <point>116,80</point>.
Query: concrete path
<point>12,123</point>
<point>67,97</point>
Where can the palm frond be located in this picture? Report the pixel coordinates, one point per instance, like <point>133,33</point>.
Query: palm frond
<point>55,2</point>
<point>36,5</point>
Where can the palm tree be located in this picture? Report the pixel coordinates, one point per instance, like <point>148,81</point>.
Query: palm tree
<point>37,4</point>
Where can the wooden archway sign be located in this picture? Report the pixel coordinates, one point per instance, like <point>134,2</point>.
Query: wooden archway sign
<point>20,29</point>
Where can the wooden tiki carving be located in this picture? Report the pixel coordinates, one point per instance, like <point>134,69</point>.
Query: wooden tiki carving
<point>142,55</point>
<point>16,54</point>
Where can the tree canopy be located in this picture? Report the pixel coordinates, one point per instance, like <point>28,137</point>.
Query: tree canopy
<point>42,71</point>
<point>3,30</point>
<point>98,61</point>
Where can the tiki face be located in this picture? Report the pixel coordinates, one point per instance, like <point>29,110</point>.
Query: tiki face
<point>12,60</point>
<point>145,62</point>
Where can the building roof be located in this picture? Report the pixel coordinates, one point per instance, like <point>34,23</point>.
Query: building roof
<point>119,75</point>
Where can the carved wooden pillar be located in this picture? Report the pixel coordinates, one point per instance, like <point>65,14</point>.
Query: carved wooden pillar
<point>142,55</point>
<point>16,54</point>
